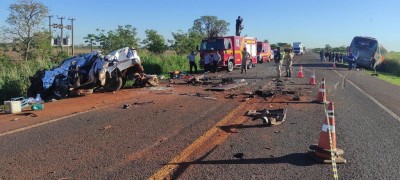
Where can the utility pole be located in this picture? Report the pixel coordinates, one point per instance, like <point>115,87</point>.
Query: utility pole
<point>61,27</point>
<point>51,37</point>
<point>72,31</point>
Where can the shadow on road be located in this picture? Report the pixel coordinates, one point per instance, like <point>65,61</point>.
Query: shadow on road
<point>297,159</point>
<point>228,128</point>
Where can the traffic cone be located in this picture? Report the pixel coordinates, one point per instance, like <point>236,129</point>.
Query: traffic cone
<point>300,73</point>
<point>321,97</point>
<point>322,151</point>
<point>312,79</point>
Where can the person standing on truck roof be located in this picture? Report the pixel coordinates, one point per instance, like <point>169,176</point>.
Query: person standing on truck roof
<point>192,62</point>
<point>245,58</point>
<point>288,62</point>
<point>239,26</point>
<point>278,61</point>
<point>215,60</point>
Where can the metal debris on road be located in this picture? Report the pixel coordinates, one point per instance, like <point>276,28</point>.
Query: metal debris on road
<point>126,106</point>
<point>296,98</point>
<point>269,117</point>
<point>238,155</point>
<point>227,86</point>
<point>106,127</point>
<point>211,98</point>
<point>266,93</point>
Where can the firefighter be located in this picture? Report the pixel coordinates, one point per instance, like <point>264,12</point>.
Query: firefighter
<point>245,58</point>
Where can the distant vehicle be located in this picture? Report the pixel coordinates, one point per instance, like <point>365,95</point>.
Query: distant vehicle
<point>370,52</point>
<point>298,48</point>
<point>264,52</point>
<point>230,48</point>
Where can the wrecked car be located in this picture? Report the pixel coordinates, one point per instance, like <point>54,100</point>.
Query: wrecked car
<point>87,71</point>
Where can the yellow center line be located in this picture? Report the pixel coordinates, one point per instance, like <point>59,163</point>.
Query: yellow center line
<point>167,171</point>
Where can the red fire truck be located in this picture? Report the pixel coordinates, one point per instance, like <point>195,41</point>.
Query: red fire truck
<point>230,48</point>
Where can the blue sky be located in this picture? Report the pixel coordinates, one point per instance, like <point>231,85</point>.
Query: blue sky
<point>313,22</point>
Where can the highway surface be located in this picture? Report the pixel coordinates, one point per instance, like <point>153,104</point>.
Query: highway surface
<point>174,132</point>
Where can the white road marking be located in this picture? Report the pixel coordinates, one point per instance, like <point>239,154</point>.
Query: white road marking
<point>47,122</point>
<point>372,98</point>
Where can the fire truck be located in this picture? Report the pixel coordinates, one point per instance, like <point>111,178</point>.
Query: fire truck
<point>230,48</point>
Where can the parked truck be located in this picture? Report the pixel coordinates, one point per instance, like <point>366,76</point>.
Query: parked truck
<point>264,53</point>
<point>298,48</point>
<point>230,48</point>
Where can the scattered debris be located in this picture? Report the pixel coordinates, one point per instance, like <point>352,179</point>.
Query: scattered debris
<point>238,155</point>
<point>106,127</point>
<point>202,95</point>
<point>141,103</point>
<point>15,119</point>
<point>277,131</point>
<point>248,93</point>
<point>269,117</point>
<point>227,86</point>
<point>232,96</point>
<point>266,93</point>
<point>228,80</point>
<point>211,98</point>
<point>296,98</point>
<point>126,106</point>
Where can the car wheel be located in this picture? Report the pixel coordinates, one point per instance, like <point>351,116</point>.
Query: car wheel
<point>230,66</point>
<point>60,88</point>
<point>113,83</point>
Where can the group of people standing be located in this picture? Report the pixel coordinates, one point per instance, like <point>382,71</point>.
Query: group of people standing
<point>211,61</point>
<point>331,56</point>
<point>287,58</point>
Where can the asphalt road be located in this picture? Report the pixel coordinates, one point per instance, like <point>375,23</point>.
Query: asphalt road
<point>189,134</point>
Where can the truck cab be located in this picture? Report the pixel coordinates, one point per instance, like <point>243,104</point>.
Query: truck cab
<point>230,49</point>
<point>298,48</point>
<point>264,53</point>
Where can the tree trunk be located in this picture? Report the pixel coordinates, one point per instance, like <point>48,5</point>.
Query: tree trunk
<point>27,50</point>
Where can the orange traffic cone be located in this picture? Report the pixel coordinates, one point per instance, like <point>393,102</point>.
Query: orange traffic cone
<point>312,79</point>
<point>300,73</point>
<point>327,142</point>
<point>321,97</point>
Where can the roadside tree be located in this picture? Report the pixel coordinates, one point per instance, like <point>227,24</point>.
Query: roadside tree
<point>154,42</point>
<point>42,45</point>
<point>328,47</point>
<point>123,36</point>
<point>91,39</point>
<point>210,26</point>
<point>183,42</point>
<point>24,21</point>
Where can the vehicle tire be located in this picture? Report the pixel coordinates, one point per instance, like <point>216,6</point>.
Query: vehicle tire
<point>230,66</point>
<point>113,83</point>
<point>60,88</point>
